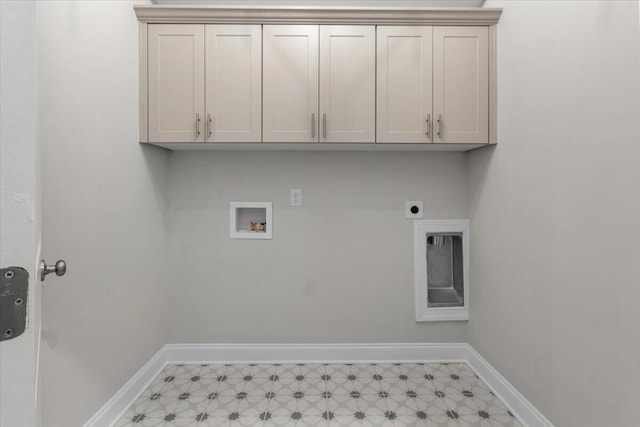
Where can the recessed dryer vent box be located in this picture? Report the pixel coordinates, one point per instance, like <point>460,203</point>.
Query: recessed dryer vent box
<point>250,220</point>
<point>442,270</point>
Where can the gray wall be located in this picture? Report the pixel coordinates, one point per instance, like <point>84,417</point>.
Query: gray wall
<point>553,208</point>
<point>102,210</point>
<point>339,268</point>
<point>554,212</point>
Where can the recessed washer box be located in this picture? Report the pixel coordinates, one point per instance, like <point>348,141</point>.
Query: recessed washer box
<point>250,220</point>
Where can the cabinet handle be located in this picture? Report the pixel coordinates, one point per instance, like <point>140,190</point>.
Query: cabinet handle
<point>313,125</point>
<point>324,125</point>
<point>197,124</point>
<point>440,125</point>
<point>209,123</point>
<point>428,125</point>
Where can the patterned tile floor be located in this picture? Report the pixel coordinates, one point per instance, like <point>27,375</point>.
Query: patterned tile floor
<point>324,395</point>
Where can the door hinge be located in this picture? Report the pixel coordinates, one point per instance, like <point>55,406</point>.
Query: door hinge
<point>14,282</point>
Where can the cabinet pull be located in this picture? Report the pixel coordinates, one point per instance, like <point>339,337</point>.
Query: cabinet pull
<point>440,125</point>
<point>209,122</point>
<point>324,125</point>
<point>197,124</point>
<point>313,125</point>
<point>428,125</point>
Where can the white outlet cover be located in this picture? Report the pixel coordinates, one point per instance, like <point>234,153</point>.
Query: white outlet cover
<point>407,209</point>
<point>295,197</point>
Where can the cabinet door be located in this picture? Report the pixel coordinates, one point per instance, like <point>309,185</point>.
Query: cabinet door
<point>290,79</point>
<point>461,84</point>
<point>233,83</point>
<point>176,83</point>
<point>404,65</point>
<point>347,83</point>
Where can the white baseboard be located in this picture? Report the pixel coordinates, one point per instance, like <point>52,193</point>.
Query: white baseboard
<point>336,353</point>
<point>519,406</point>
<point>109,414</point>
<point>524,411</point>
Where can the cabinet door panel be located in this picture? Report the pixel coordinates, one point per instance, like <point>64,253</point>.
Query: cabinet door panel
<point>233,83</point>
<point>461,84</point>
<point>176,83</point>
<point>404,84</point>
<point>290,78</point>
<point>347,83</point>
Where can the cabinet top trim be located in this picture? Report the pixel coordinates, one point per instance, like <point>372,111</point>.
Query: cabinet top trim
<point>316,15</point>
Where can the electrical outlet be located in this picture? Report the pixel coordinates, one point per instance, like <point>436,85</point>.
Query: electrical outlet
<point>413,210</point>
<point>295,197</point>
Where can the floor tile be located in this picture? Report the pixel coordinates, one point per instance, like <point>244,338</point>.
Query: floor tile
<point>301,395</point>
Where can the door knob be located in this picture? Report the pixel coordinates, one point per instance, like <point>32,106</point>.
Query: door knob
<point>60,267</point>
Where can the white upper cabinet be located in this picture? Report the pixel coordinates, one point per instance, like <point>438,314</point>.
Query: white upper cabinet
<point>290,83</point>
<point>461,84</point>
<point>176,83</point>
<point>325,78</point>
<point>347,83</point>
<point>233,83</point>
<point>404,65</point>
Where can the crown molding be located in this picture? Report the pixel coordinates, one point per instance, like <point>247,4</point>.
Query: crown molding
<point>316,15</point>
